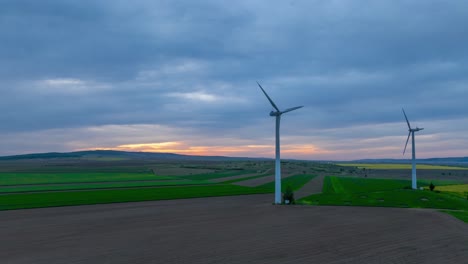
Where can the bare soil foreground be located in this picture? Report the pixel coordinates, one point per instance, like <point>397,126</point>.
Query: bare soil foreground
<point>242,229</point>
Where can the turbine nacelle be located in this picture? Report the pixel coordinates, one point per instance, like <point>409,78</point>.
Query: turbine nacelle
<point>410,130</point>
<point>277,112</point>
<point>409,125</point>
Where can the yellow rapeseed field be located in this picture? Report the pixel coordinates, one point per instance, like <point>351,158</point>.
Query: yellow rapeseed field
<point>459,189</point>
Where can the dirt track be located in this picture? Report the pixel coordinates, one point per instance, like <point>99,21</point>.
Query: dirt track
<point>312,187</point>
<point>262,180</point>
<point>242,229</point>
<point>223,179</point>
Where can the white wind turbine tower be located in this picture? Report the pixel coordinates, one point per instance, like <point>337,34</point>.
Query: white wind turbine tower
<point>411,133</point>
<point>277,114</point>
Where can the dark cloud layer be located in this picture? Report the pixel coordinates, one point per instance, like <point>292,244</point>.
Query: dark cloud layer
<point>193,65</point>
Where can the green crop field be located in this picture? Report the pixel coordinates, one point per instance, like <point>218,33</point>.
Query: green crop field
<point>48,199</point>
<point>88,186</point>
<point>131,193</point>
<point>22,178</point>
<point>381,192</point>
<point>384,166</point>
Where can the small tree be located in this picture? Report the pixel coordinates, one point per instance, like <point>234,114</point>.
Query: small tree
<point>432,186</point>
<point>288,196</point>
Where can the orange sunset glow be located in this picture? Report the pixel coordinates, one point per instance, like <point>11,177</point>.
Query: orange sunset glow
<point>180,147</point>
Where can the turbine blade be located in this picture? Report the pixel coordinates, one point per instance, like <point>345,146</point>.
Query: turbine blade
<point>269,99</point>
<point>409,126</point>
<point>291,109</point>
<point>409,134</point>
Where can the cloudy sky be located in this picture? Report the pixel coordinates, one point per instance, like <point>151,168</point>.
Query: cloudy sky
<point>180,76</point>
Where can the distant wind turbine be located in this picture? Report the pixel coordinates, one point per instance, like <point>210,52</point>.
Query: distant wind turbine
<point>411,133</point>
<point>277,114</point>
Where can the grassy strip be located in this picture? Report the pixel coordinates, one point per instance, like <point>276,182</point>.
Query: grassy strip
<point>49,199</point>
<point>462,215</point>
<point>334,184</point>
<point>296,182</point>
<point>68,187</point>
<point>393,198</point>
<point>400,166</point>
<point>74,177</point>
<point>215,175</point>
<point>358,185</point>
<point>381,192</point>
<point>437,183</point>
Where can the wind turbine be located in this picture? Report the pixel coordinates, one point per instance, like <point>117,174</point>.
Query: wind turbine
<point>411,133</point>
<point>277,114</point>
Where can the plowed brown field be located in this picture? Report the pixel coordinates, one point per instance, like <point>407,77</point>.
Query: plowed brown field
<point>242,229</point>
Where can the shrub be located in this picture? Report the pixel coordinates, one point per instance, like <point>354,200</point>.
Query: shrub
<point>432,186</point>
<point>288,195</point>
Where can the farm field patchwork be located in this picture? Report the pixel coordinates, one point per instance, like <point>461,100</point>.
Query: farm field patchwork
<point>389,166</point>
<point>49,199</point>
<point>24,178</point>
<point>113,195</point>
<point>86,186</point>
<point>216,175</point>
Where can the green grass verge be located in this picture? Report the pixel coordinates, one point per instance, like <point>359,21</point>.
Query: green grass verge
<point>383,166</point>
<point>462,215</point>
<point>49,199</point>
<point>381,192</point>
<point>437,183</point>
<point>88,186</point>
<point>75,177</point>
<point>393,198</point>
<point>333,184</point>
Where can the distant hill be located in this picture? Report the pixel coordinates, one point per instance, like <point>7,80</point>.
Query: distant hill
<point>113,154</point>
<point>124,155</point>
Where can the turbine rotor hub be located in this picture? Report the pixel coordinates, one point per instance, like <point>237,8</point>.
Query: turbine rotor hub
<point>275,113</point>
